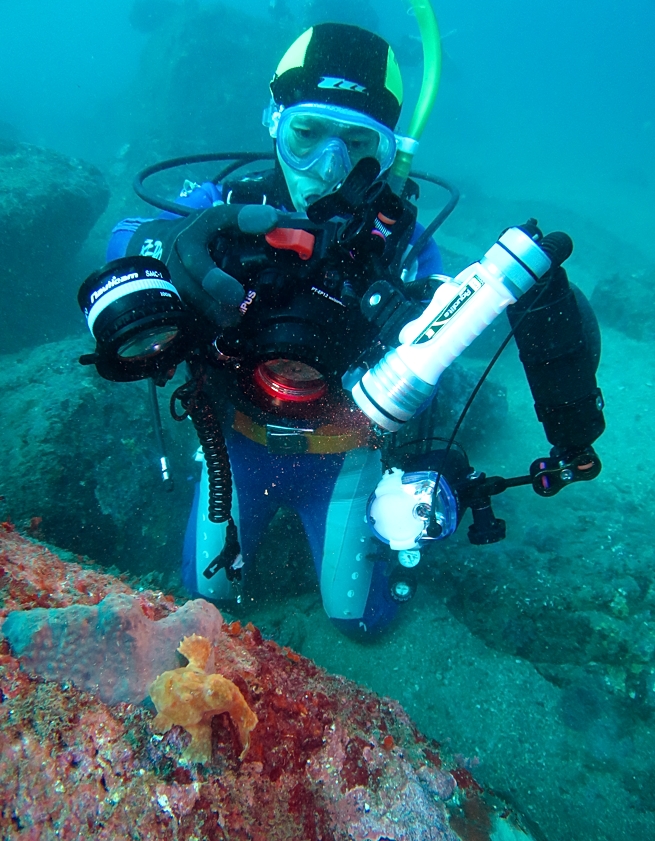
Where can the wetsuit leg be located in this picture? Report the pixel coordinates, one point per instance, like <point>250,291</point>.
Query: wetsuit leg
<point>203,542</point>
<point>351,564</point>
<point>330,493</point>
<point>252,510</point>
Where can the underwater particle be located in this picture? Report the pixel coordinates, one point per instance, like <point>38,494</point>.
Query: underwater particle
<point>191,698</point>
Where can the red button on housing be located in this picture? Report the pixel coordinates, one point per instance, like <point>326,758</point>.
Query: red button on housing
<point>292,239</point>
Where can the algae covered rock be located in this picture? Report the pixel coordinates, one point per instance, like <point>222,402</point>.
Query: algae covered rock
<point>328,759</point>
<point>48,204</point>
<point>78,461</point>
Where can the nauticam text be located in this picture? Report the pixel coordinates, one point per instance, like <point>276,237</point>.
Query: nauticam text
<point>115,281</point>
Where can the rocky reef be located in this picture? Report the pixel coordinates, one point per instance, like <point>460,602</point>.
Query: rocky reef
<point>203,80</point>
<point>623,301</point>
<point>79,463</point>
<point>48,204</point>
<point>327,759</point>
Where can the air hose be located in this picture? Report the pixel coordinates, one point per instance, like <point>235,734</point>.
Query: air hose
<point>197,406</point>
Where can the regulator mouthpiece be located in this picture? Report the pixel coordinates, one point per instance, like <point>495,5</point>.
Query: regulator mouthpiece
<point>395,389</point>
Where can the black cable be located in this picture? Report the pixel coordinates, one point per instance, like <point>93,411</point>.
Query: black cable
<point>159,437</point>
<point>241,158</point>
<point>438,220</point>
<point>228,170</point>
<point>427,438</point>
<point>198,407</point>
<point>478,386</point>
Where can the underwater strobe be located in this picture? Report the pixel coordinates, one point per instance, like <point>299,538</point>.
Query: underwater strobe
<point>137,318</point>
<point>393,391</point>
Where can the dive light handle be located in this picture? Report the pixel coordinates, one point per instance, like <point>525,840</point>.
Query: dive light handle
<point>395,389</point>
<point>459,312</point>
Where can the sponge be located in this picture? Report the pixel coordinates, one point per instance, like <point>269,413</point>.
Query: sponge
<point>111,649</point>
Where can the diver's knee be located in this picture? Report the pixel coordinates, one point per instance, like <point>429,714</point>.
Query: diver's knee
<point>377,615</point>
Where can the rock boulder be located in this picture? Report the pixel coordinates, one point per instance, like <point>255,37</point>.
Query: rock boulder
<point>48,205</point>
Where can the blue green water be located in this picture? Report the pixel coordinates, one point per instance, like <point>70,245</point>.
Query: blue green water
<point>535,658</point>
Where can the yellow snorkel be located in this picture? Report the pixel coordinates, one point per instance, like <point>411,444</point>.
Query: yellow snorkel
<point>408,144</point>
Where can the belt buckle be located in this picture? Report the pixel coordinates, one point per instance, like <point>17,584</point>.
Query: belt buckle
<point>286,440</point>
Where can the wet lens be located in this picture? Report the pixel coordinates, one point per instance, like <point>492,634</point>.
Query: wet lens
<point>137,318</point>
<point>148,343</point>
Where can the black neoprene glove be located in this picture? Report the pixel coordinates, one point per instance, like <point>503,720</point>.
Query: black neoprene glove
<point>184,245</point>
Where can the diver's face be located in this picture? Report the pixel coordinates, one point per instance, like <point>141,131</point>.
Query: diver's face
<point>319,144</point>
<point>309,137</point>
<point>306,187</point>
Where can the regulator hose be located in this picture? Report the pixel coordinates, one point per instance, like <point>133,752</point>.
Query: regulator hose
<point>197,406</point>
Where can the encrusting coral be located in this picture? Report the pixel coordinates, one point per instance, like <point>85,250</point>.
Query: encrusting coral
<point>191,697</point>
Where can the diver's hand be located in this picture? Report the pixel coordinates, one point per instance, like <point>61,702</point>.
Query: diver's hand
<point>196,276</point>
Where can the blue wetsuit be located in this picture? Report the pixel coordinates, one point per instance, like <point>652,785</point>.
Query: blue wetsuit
<point>328,490</point>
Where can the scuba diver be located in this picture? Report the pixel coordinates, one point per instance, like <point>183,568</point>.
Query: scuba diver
<point>309,306</point>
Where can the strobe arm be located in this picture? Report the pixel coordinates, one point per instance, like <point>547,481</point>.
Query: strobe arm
<point>547,476</point>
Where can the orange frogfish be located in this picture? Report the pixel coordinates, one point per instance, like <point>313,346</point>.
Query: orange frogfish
<point>190,697</point>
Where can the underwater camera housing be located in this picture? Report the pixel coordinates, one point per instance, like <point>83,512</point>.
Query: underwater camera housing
<point>301,323</point>
<point>139,322</point>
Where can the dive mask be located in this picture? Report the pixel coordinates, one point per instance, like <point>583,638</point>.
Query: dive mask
<point>311,136</point>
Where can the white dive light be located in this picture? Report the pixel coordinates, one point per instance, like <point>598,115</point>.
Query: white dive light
<point>392,391</point>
